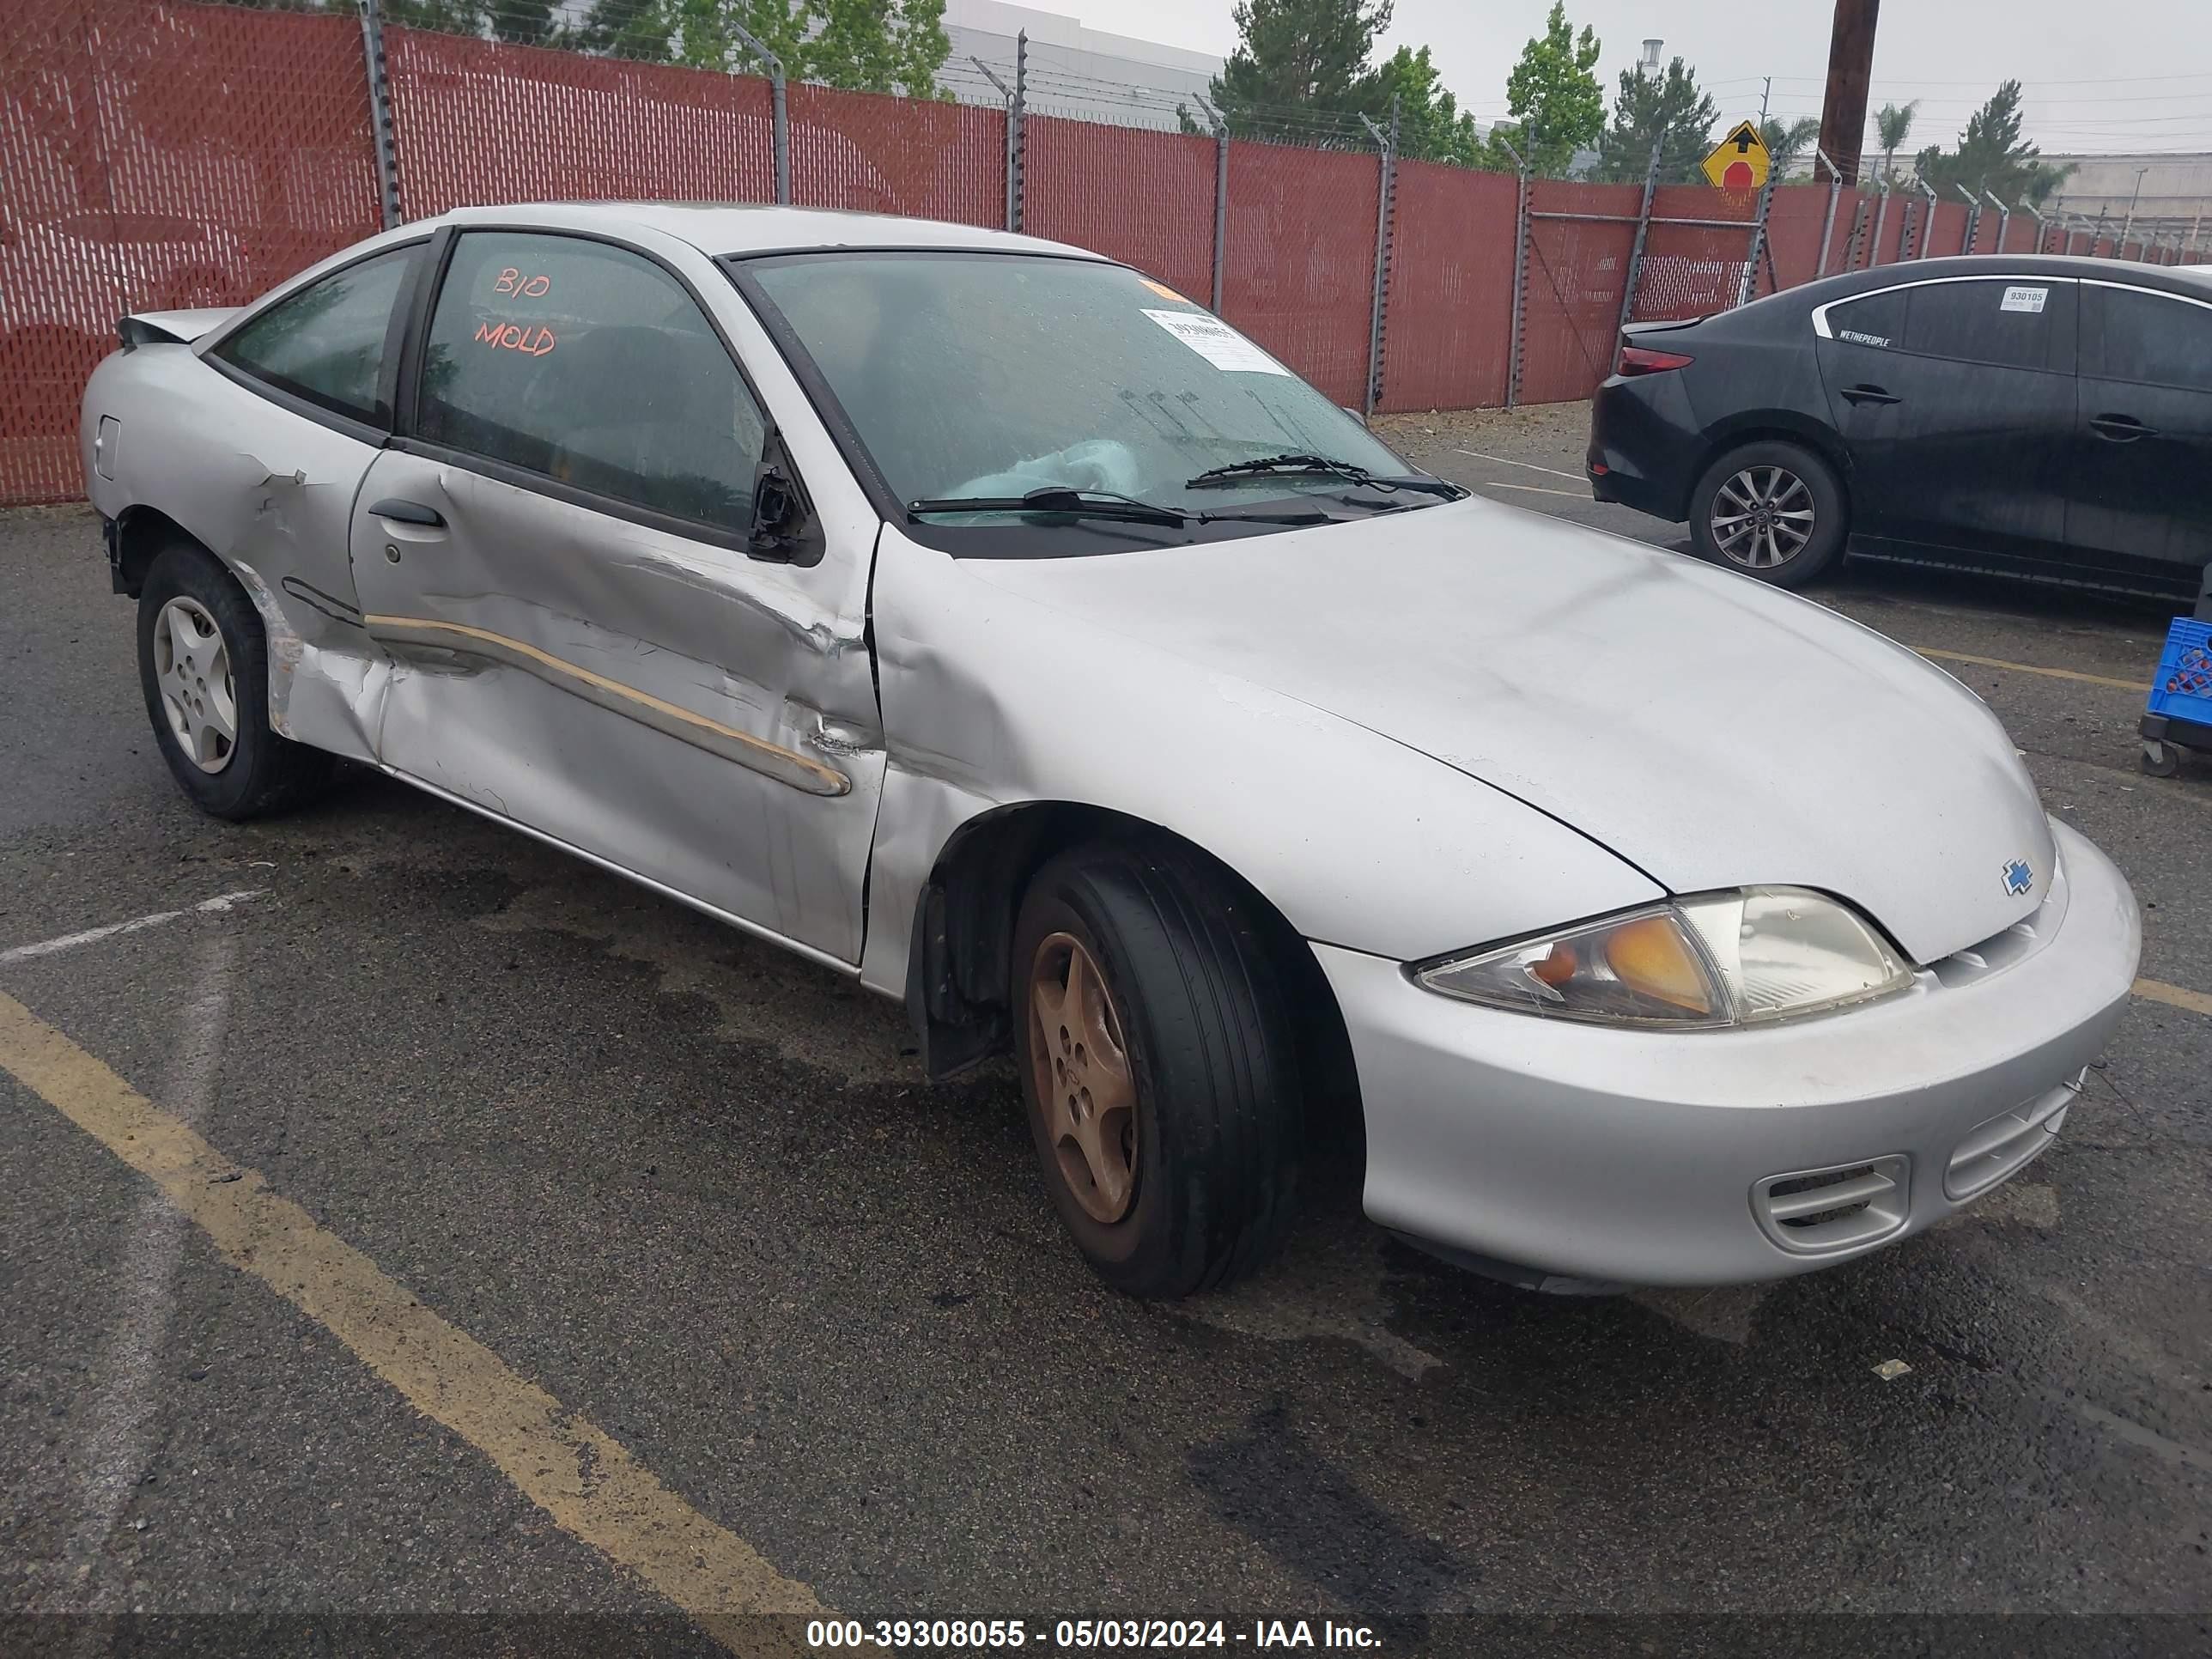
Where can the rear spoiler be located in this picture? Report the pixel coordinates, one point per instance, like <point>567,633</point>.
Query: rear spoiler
<point>170,327</point>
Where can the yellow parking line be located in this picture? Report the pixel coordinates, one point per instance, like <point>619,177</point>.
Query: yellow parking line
<point>2173,996</point>
<point>2030,668</point>
<point>585,1481</point>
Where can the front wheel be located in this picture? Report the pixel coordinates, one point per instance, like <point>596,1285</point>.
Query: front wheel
<point>1772,510</point>
<point>1157,1060</point>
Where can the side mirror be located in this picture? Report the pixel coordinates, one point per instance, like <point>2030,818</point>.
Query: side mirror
<point>783,529</point>
<point>1358,414</point>
<point>775,513</point>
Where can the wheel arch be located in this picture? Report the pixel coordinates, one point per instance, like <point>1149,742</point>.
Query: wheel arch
<point>960,963</point>
<point>1765,426</point>
<point>141,533</point>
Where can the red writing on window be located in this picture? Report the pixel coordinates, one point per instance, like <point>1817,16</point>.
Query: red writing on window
<point>512,280</point>
<point>513,336</point>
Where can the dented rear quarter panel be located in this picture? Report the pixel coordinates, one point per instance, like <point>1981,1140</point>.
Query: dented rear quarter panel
<point>271,494</point>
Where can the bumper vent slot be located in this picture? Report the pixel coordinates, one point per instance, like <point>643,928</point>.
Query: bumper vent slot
<point>1994,1150</point>
<point>1816,1212</point>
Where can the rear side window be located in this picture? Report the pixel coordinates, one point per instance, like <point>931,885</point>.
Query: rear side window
<point>2001,321</point>
<point>1876,321</point>
<point>326,342</point>
<point>592,366</point>
<point>2133,335</point>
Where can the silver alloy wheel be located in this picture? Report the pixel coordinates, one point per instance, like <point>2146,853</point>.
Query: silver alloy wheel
<point>191,670</point>
<point>1762,517</point>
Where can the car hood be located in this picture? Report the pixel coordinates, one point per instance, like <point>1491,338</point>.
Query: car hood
<point>1710,730</point>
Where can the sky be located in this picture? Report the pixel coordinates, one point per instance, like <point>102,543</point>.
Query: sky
<point>2133,77</point>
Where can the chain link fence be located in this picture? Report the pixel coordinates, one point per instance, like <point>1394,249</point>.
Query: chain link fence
<point>160,153</point>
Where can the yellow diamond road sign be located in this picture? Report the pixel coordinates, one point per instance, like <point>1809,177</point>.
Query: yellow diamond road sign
<point>1739,161</point>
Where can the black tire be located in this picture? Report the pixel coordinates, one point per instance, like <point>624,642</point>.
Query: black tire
<point>264,773</point>
<point>1771,463</point>
<point>1212,1051</point>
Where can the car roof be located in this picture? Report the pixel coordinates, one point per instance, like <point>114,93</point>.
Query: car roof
<point>727,227</point>
<point>2191,279</point>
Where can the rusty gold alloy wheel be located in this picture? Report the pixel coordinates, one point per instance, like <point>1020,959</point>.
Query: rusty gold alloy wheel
<point>1084,1087</point>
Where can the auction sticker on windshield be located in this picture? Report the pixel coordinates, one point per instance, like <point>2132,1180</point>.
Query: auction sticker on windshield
<point>1214,340</point>
<point>2024,299</point>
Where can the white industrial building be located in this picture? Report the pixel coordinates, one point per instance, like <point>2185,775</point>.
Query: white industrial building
<point>1073,70</point>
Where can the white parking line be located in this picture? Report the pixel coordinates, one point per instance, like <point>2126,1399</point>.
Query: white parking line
<point>1507,460</point>
<point>1541,490</point>
<point>47,947</point>
<point>118,1441</point>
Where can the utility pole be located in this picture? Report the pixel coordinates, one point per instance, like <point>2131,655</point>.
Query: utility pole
<point>1765,94</point>
<point>1850,67</point>
<point>2129,223</point>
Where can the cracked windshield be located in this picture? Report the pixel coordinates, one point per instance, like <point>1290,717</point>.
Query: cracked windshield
<point>1066,374</point>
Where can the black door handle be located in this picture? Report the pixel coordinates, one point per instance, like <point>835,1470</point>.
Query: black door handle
<point>1869,394</point>
<point>401,512</point>
<point>2121,429</point>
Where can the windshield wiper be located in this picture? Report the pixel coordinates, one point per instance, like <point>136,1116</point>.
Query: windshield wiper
<point>1325,466</point>
<point>1057,498</point>
<point>1099,504</point>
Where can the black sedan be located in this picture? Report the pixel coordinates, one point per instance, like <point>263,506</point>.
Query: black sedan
<point>2036,415</point>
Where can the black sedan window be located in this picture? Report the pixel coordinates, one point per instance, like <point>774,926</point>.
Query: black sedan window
<point>2004,321</point>
<point>1876,321</point>
<point>2154,338</point>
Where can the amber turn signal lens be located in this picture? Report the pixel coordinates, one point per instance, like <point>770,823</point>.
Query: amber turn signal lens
<point>1651,956</point>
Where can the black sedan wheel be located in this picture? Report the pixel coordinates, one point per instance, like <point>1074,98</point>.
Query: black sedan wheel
<point>1772,510</point>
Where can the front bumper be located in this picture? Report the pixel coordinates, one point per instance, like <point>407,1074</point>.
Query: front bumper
<point>1654,1157</point>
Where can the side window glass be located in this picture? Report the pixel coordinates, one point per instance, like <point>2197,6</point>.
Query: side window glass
<point>2002,322</point>
<point>589,364</point>
<point>326,344</point>
<point>2149,338</point>
<point>1876,321</point>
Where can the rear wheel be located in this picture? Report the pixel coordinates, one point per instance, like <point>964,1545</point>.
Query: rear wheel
<point>1771,509</point>
<point>204,665</point>
<point>1158,1062</point>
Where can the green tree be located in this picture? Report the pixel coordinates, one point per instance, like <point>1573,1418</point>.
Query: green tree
<point>863,46</point>
<point>644,29</point>
<point>878,46</point>
<point>1667,109</point>
<point>705,39</point>
<point>1893,125</point>
<point>1554,97</point>
<point>448,16</point>
<point>1431,127</point>
<point>1788,140</point>
<point>1309,55</point>
<point>527,23</point>
<point>1991,155</point>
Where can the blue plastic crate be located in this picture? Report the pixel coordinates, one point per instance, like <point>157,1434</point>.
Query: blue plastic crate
<point>2182,688</point>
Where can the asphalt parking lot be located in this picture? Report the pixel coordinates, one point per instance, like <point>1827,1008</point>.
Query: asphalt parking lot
<point>412,1223</point>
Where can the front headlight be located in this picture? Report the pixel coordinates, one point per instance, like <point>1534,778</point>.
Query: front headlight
<point>1758,954</point>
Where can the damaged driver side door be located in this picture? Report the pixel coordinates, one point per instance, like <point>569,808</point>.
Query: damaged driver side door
<point>559,553</point>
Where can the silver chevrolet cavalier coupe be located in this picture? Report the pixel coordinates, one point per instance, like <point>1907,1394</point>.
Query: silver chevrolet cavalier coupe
<point>979,618</point>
